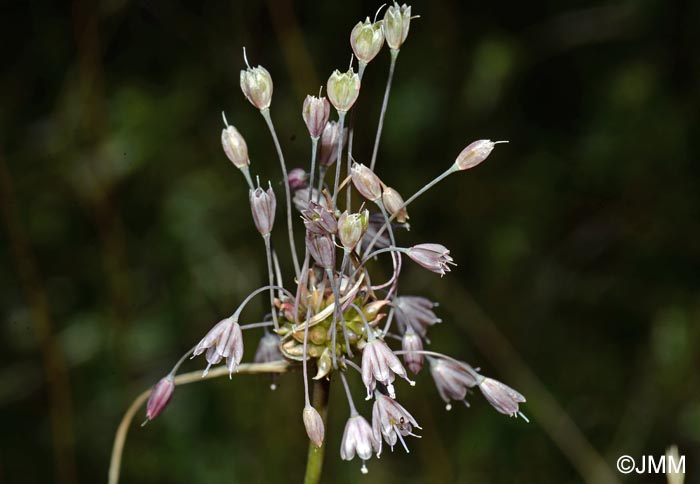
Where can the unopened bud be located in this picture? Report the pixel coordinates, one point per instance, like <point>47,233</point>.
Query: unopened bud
<point>475,153</point>
<point>160,396</point>
<point>328,151</point>
<point>343,89</point>
<point>366,182</point>
<point>315,113</point>
<point>351,228</point>
<point>412,344</point>
<point>394,204</point>
<point>235,147</point>
<point>263,204</point>
<point>366,39</point>
<point>322,249</point>
<point>298,178</point>
<point>256,84</point>
<point>314,425</point>
<point>397,20</point>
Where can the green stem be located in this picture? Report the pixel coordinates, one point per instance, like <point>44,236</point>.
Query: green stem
<point>314,460</point>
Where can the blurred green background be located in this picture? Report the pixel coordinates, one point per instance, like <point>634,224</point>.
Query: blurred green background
<point>126,232</point>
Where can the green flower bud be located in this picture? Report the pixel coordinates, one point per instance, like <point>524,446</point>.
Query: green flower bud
<point>256,84</point>
<point>367,39</point>
<point>351,228</point>
<point>396,23</point>
<point>343,89</point>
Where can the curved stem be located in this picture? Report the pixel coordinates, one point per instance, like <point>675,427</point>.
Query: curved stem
<point>314,459</point>
<point>288,196</point>
<point>351,403</point>
<point>385,102</point>
<point>420,192</point>
<point>255,293</point>
<point>191,377</point>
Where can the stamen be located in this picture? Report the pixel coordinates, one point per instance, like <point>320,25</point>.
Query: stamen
<point>245,57</point>
<point>398,434</point>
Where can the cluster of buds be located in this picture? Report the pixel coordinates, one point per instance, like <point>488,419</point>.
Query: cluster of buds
<point>335,321</point>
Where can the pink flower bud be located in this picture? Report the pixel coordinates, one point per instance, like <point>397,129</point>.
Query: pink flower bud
<point>263,204</point>
<point>322,249</point>
<point>434,257</point>
<point>235,147</point>
<point>256,84</point>
<point>298,178</point>
<point>452,379</point>
<point>366,39</point>
<point>159,397</point>
<point>411,343</point>
<point>315,113</point>
<point>394,204</point>
<point>328,151</point>
<point>314,425</point>
<point>366,182</point>
<point>475,153</point>
<point>343,89</point>
<point>397,21</point>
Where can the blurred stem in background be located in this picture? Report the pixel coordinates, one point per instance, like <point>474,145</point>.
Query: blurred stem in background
<point>55,369</point>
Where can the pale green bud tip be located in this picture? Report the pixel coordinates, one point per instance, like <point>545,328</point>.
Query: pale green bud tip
<point>397,21</point>
<point>475,153</point>
<point>256,84</point>
<point>367,39</point>
<point>343,89</point>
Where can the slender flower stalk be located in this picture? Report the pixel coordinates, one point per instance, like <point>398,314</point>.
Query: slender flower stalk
<point>288,196</point>
<point>338,161</point>
<point>385,103</point>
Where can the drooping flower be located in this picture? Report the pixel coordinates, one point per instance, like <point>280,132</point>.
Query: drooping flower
<point>415,312</point>
<point>224,340</point>
<point>391,421</point>
<point>380,364</point>
<point>501,397</point>
<point>452,380</point>
<point>434,257</point>
<point>358,439</point>
<point>314,425</point>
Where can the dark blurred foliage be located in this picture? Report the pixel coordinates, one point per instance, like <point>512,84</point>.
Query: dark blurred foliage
<point>126,232</point>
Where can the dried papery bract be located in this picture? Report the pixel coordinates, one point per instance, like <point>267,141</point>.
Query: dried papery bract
<point>313,423</point>
<point>397,21</point>
<point>367,39</point>
<point>343,89</point>
<point>160,396</point>
<point>315,112</point>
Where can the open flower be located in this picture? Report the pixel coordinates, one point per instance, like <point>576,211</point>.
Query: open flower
<point>380,364</point>
<point>434,257</point>
<point>319,220</point>
<point>501,397</point>
<point>224,340</point>
<point>359,439</point>
<point>391,421</point>
<point>452,380</point>
<point>415,312</point>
